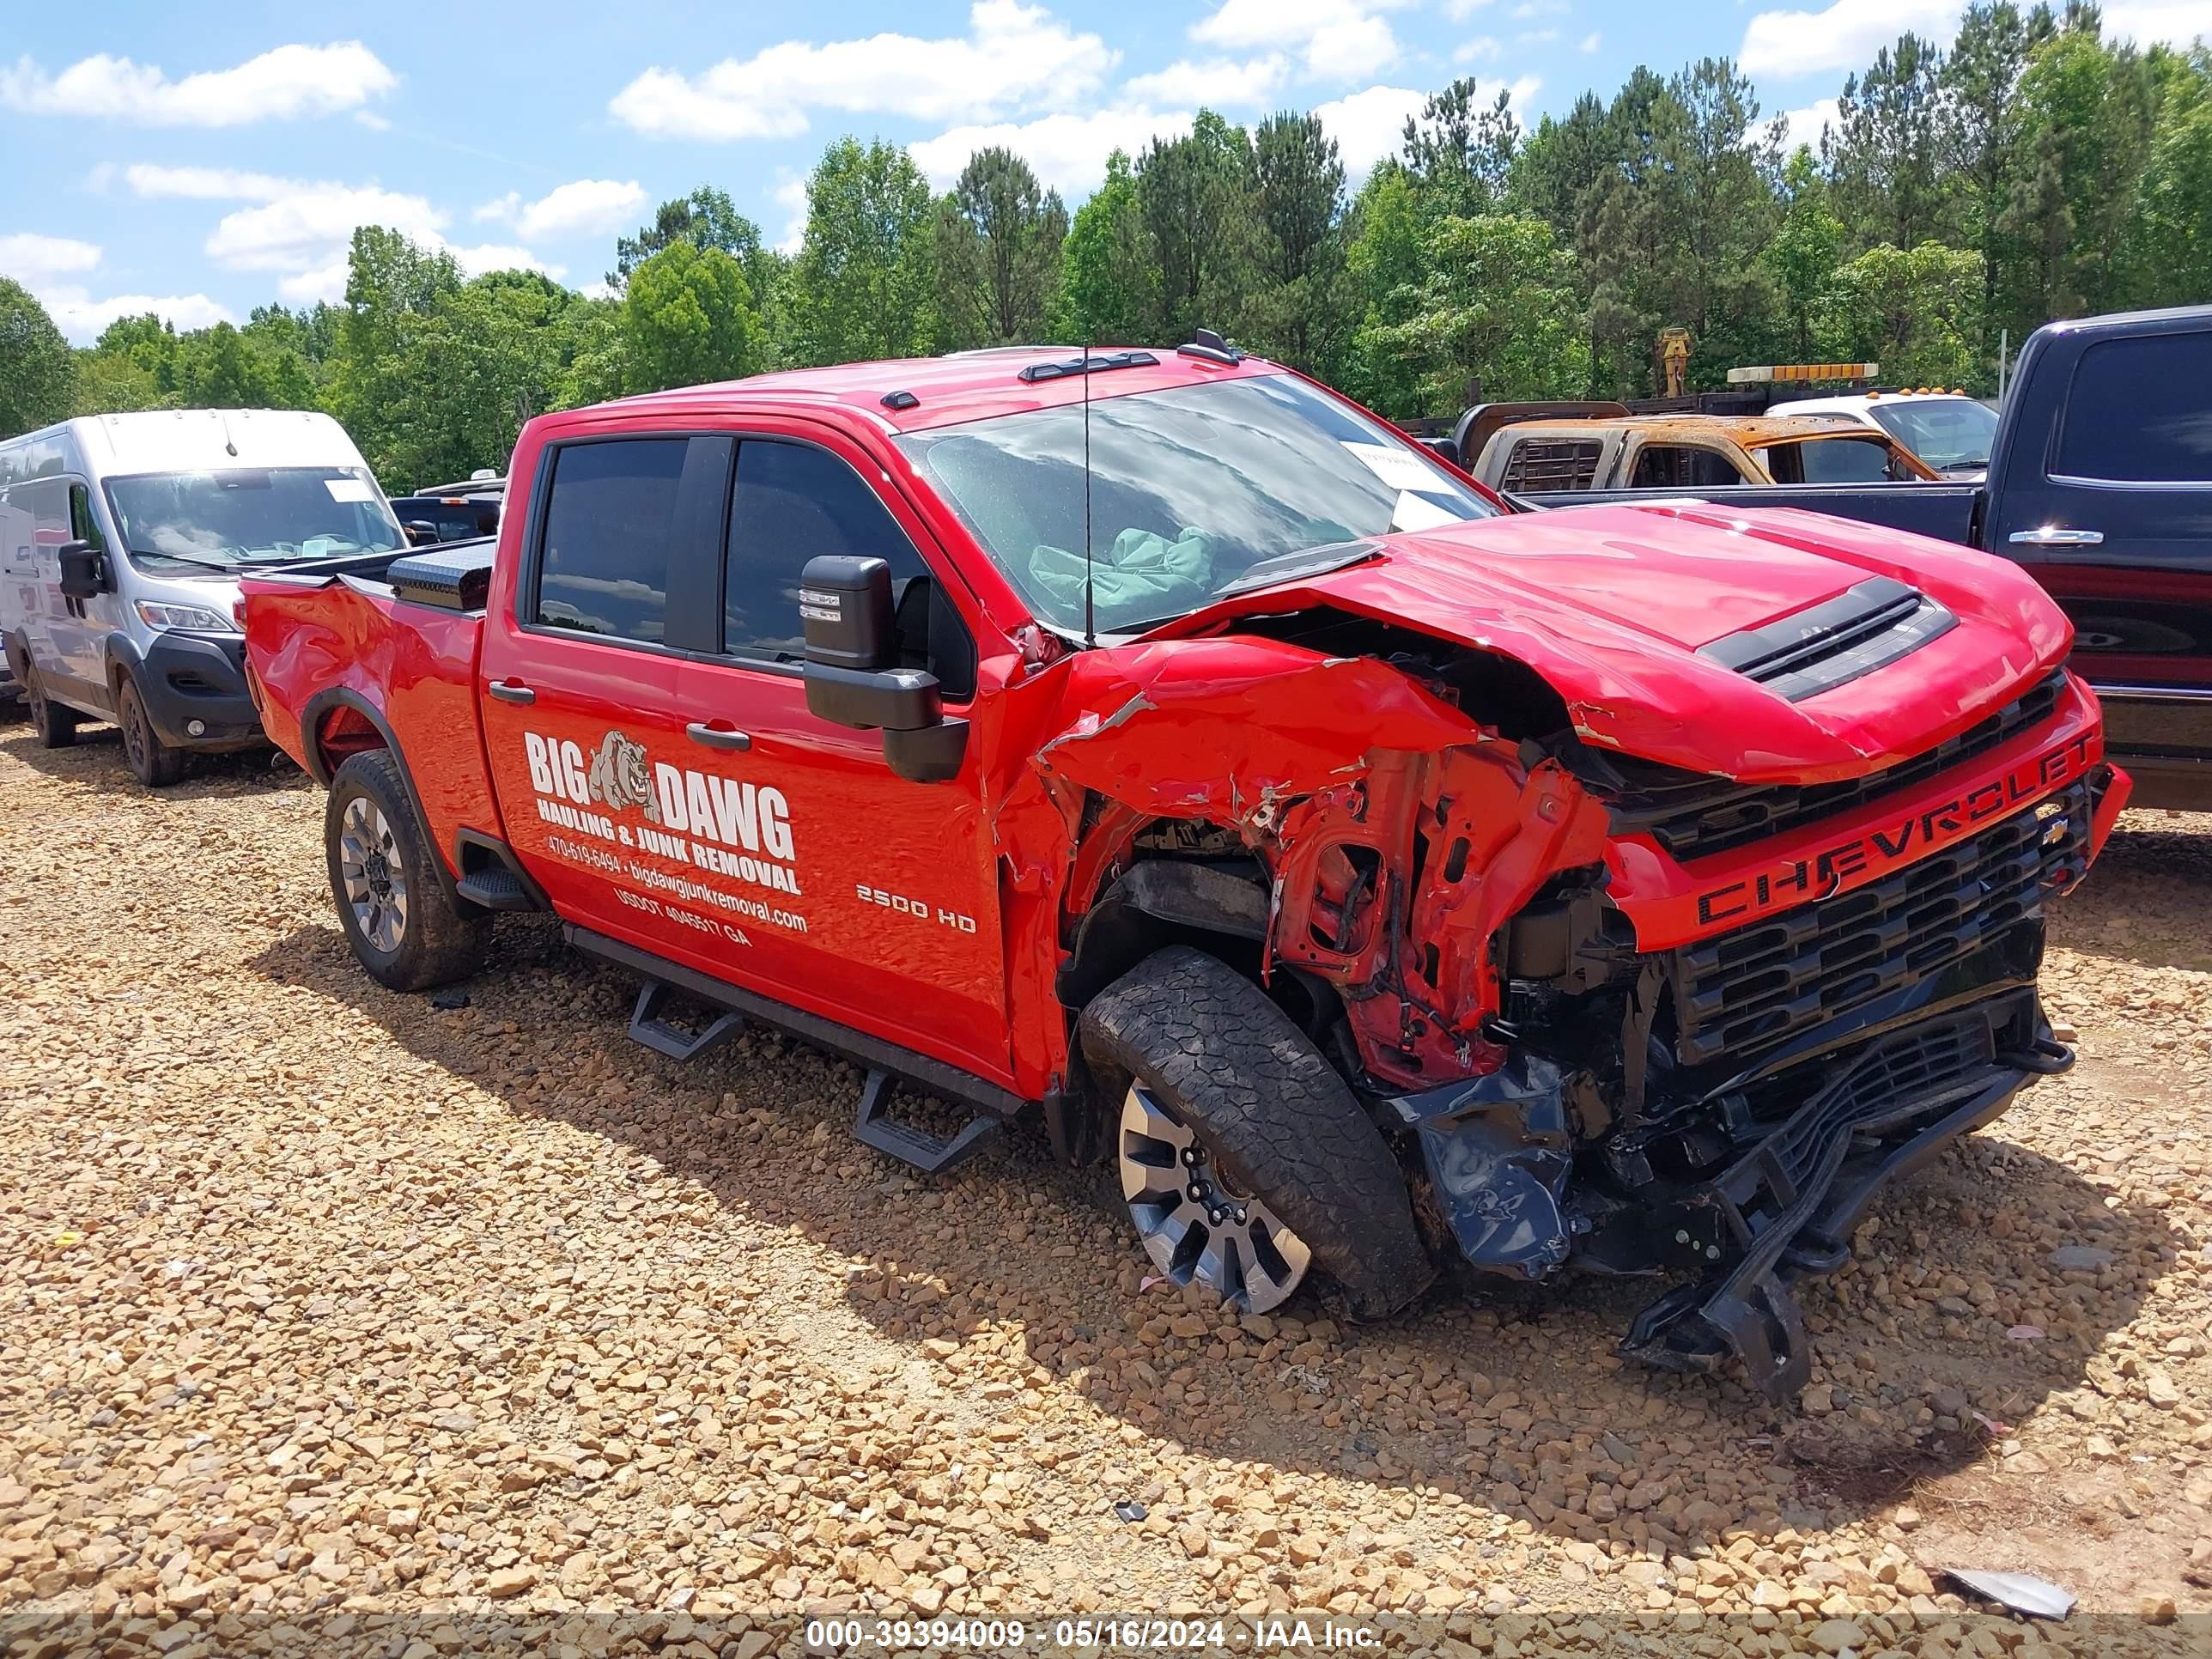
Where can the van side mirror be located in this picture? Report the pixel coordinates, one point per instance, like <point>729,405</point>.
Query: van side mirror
<point>1447,448</point>
<point>421,533</point>
<point>84,571</point>
<point>852,672</point>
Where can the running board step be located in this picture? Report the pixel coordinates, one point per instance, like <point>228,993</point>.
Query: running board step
<point>647,1025</point>
<point>873,1126</point>
<point>496,888</point>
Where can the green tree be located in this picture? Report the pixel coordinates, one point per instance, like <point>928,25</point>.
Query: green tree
<point>1719,213</point>
<point>1891,186</point>
<point>1498,303</point>
<point>861,286</point>
<point>1802,256</point>
<point>1384,266</point>
<point>2175,217</point>
<point>1981,128</point>
<point>1461,151</point>
<point>689,319</point>
<point>1109,287</point>
<point>1193,193</point>
<point>1917,312</point>
<point>707,218</point>
<point>998,236</point>
<point>38,376</point>
<point>1296,309</point>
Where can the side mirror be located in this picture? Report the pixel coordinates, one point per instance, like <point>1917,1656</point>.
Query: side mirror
<point>421,533</point>
<point>1447,448</point>
<point>853,677</point>
<point>84,571</point>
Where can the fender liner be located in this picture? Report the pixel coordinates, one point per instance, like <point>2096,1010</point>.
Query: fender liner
<point>311,722</point>
<point>1154,903</point>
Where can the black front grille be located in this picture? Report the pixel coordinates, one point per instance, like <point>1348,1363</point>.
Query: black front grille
<point>1707,816</point>
<point>1911,1065</point>
<point>1766,983</point>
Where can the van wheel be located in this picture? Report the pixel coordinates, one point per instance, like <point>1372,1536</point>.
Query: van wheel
<point>1244,1158</point>
<point>154,763</point>
<point>396,915</point>
<point>55,724</point>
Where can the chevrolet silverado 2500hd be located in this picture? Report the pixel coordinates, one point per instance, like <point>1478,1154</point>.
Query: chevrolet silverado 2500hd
<point>1376,876</point>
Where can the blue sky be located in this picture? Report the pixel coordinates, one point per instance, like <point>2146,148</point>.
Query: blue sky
<point>197,162</point>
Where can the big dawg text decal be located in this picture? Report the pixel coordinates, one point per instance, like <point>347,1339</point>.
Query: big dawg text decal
<point>724,826</point>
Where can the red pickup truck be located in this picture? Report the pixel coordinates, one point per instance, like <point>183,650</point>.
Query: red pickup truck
<point>1157,744</point>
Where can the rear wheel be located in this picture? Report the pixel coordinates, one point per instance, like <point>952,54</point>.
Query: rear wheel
<point>1246,1161</point>
<point>396,913</point>
<point>55,724</point>
<point>154,763</point>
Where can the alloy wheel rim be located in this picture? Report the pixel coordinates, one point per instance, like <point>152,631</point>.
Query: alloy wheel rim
<point>1196,1226</point>
<point>375,874</point>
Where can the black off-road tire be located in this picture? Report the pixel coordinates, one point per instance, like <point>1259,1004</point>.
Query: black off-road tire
<point>56,725</point>
<point>153,762</point>
<point>434,941</point>
<point>1270,1111</point>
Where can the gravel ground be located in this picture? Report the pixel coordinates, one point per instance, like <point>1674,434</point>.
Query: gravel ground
<point>318,1302</point>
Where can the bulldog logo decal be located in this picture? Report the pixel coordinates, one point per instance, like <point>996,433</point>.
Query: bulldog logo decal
<point>620,778</point>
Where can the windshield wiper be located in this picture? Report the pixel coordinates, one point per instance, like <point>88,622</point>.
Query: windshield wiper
<point>184,558</point>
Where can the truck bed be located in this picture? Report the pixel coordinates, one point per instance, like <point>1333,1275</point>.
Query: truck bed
<point>345,662</point>
<point>1947,512</point>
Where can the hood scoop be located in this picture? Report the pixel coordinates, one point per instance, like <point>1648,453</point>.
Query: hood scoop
<point>1830,644</point>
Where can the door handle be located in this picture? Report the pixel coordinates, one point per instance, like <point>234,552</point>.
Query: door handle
<point>2051,535</point>
<point>507,692</point>
<point>718,737</point>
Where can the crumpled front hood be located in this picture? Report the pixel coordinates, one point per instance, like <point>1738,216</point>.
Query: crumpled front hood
<point>1610,604</point>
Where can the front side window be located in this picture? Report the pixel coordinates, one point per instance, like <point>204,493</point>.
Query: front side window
<point>1842,461</point>
<point>2140,411</point>
<point>1196,492</point>
<point>793,502</point>
<point>83,526</point>
<point>1951,434</point>
<point>231,519</point>
<point>609,523</point>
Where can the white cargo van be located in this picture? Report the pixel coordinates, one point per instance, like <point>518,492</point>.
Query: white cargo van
<point>122,538</point>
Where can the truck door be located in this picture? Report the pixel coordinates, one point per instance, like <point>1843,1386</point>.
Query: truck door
<point>580,699</point>
<point>2113,515</point>
<point>875,898</point>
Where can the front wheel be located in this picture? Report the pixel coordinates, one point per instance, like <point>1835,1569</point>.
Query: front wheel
<point>1245,1160</point>
<point>396,913</point>
<point>153,762</point>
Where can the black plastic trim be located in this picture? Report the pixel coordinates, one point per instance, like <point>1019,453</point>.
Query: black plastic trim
<point>1868,626</point>
<point>871,1052</point>
<point>227,709</point>
<point>503,855</point>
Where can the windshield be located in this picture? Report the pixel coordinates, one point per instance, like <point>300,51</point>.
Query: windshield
<point>1950,433</point>
<point>1193,490</point>
<point>180,522</point>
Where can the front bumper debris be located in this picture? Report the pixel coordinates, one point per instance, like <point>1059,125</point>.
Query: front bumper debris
<point>1786,1208</point>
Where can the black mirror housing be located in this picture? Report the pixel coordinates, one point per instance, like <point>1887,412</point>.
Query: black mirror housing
<point>421,533</point>
<point>845,606</point>
<point>84,570</point>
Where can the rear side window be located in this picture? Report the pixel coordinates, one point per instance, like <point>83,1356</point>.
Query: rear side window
<point>1841,460</point>
<point>609,521</point>
<point>2140,411</point>
<point>1552,463</point>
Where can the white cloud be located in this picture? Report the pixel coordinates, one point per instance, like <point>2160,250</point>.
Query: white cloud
<point>1460,10</point>
<point>501,256</point>
<point>83,317</point>
<point>312,224</point>
<point>1370,125</point>
<point>32,260</point>
<point>600,290</point>
<point>2177,23</point>
<point>1068,152</point>
<point>1013,56</point>
<point>791,197</point>
<point>1591,41</point>
<point>206,184</point>
<point>1482,48</point>
<point>1214,82</point>
<point>287,83</point>
<point>1804,125</point>
<point>1340,40</point>
<point>1536,37</point>
<point>584,207</point>
<point>1845,35</point>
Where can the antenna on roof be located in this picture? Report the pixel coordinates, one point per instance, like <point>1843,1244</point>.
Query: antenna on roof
<point>1090,605</point>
